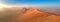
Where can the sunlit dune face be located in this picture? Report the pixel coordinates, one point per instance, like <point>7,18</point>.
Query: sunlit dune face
<point>33,12</point>
<point>34,15</point>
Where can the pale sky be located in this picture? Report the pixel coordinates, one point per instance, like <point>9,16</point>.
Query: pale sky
<point>27,3</point>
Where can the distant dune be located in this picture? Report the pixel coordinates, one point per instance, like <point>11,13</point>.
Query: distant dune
<point>19,14</point>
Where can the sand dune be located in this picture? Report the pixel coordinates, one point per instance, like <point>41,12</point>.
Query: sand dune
<point>28,15</point>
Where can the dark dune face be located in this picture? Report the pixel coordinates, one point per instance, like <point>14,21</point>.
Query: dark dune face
<point>30,15</point>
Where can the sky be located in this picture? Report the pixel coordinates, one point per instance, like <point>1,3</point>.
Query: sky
<point>31,2</point>
<point>27,3</point>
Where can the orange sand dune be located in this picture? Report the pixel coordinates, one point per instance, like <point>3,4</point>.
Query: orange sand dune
<point>35,15</point>
<point>29,15</point>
